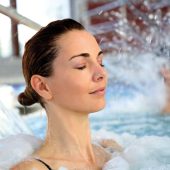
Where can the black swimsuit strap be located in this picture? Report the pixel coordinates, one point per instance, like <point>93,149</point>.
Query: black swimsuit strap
<point>44,163</point>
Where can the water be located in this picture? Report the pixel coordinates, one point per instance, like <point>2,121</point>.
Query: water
<point>139,125</point>
<point>136,96</point>
<point>120,123</point>
<point>132,117</point>
<point>10,121</point>
<point>144,137</point>
<point>133,114</point>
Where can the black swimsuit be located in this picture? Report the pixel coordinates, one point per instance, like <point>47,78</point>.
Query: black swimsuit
<point>49,168</point>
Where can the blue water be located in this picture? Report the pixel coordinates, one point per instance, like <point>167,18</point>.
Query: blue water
<point>139,125</point>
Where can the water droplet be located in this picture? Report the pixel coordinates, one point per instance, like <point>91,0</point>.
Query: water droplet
<point>100,12</point>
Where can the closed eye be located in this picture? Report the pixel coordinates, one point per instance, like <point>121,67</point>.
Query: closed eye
<point>100,61</point>
<point>81,68</point>
<point>100,58</point>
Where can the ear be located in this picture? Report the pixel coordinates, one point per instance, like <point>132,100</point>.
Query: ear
<point>39,84</point>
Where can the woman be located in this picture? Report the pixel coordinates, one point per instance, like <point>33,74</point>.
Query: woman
<point>63,69</point>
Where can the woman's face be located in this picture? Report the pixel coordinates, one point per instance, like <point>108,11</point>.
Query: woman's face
<point>79,79</point>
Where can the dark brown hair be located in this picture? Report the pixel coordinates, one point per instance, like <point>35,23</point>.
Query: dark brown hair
<point>40,52</point>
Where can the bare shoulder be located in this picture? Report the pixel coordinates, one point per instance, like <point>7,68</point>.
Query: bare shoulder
<point>30,164</point>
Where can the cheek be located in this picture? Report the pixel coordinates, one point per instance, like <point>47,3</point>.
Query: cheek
<point>69,87</point>
<point>72,92</point>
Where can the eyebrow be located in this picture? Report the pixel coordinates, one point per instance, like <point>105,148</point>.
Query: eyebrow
<point>84,55</point>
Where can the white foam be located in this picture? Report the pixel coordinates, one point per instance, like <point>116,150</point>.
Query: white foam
<point>11,122</point>
<point>144,153</point>
<point>15,148</point>
<point>117,163</point>
<point>141,87</point>
<point>7,96</point>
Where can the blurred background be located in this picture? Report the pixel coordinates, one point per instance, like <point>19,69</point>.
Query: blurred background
<point>135,38</point>
<point>119,25</point>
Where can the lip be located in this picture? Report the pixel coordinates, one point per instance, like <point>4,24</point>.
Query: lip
<point>99,91</point>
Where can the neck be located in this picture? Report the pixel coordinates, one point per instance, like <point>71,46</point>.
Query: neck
<point>68,135</point>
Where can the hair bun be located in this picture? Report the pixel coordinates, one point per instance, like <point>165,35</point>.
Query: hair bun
<point>28,97</point>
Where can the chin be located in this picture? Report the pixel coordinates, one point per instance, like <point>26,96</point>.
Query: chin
<point>98,107</point>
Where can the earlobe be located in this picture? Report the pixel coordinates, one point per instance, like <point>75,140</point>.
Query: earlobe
<point>39,84</point>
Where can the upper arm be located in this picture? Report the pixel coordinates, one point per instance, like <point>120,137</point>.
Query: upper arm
<point>29,165</point>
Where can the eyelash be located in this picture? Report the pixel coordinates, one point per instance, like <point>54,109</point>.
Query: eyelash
<point>83,67</point>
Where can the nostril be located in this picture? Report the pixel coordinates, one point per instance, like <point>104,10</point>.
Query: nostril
<point>98,76</point>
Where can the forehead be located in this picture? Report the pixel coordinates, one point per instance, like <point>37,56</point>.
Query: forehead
<point>77,41</point>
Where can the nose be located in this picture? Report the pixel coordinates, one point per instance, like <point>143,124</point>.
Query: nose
<point>99,74</point>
